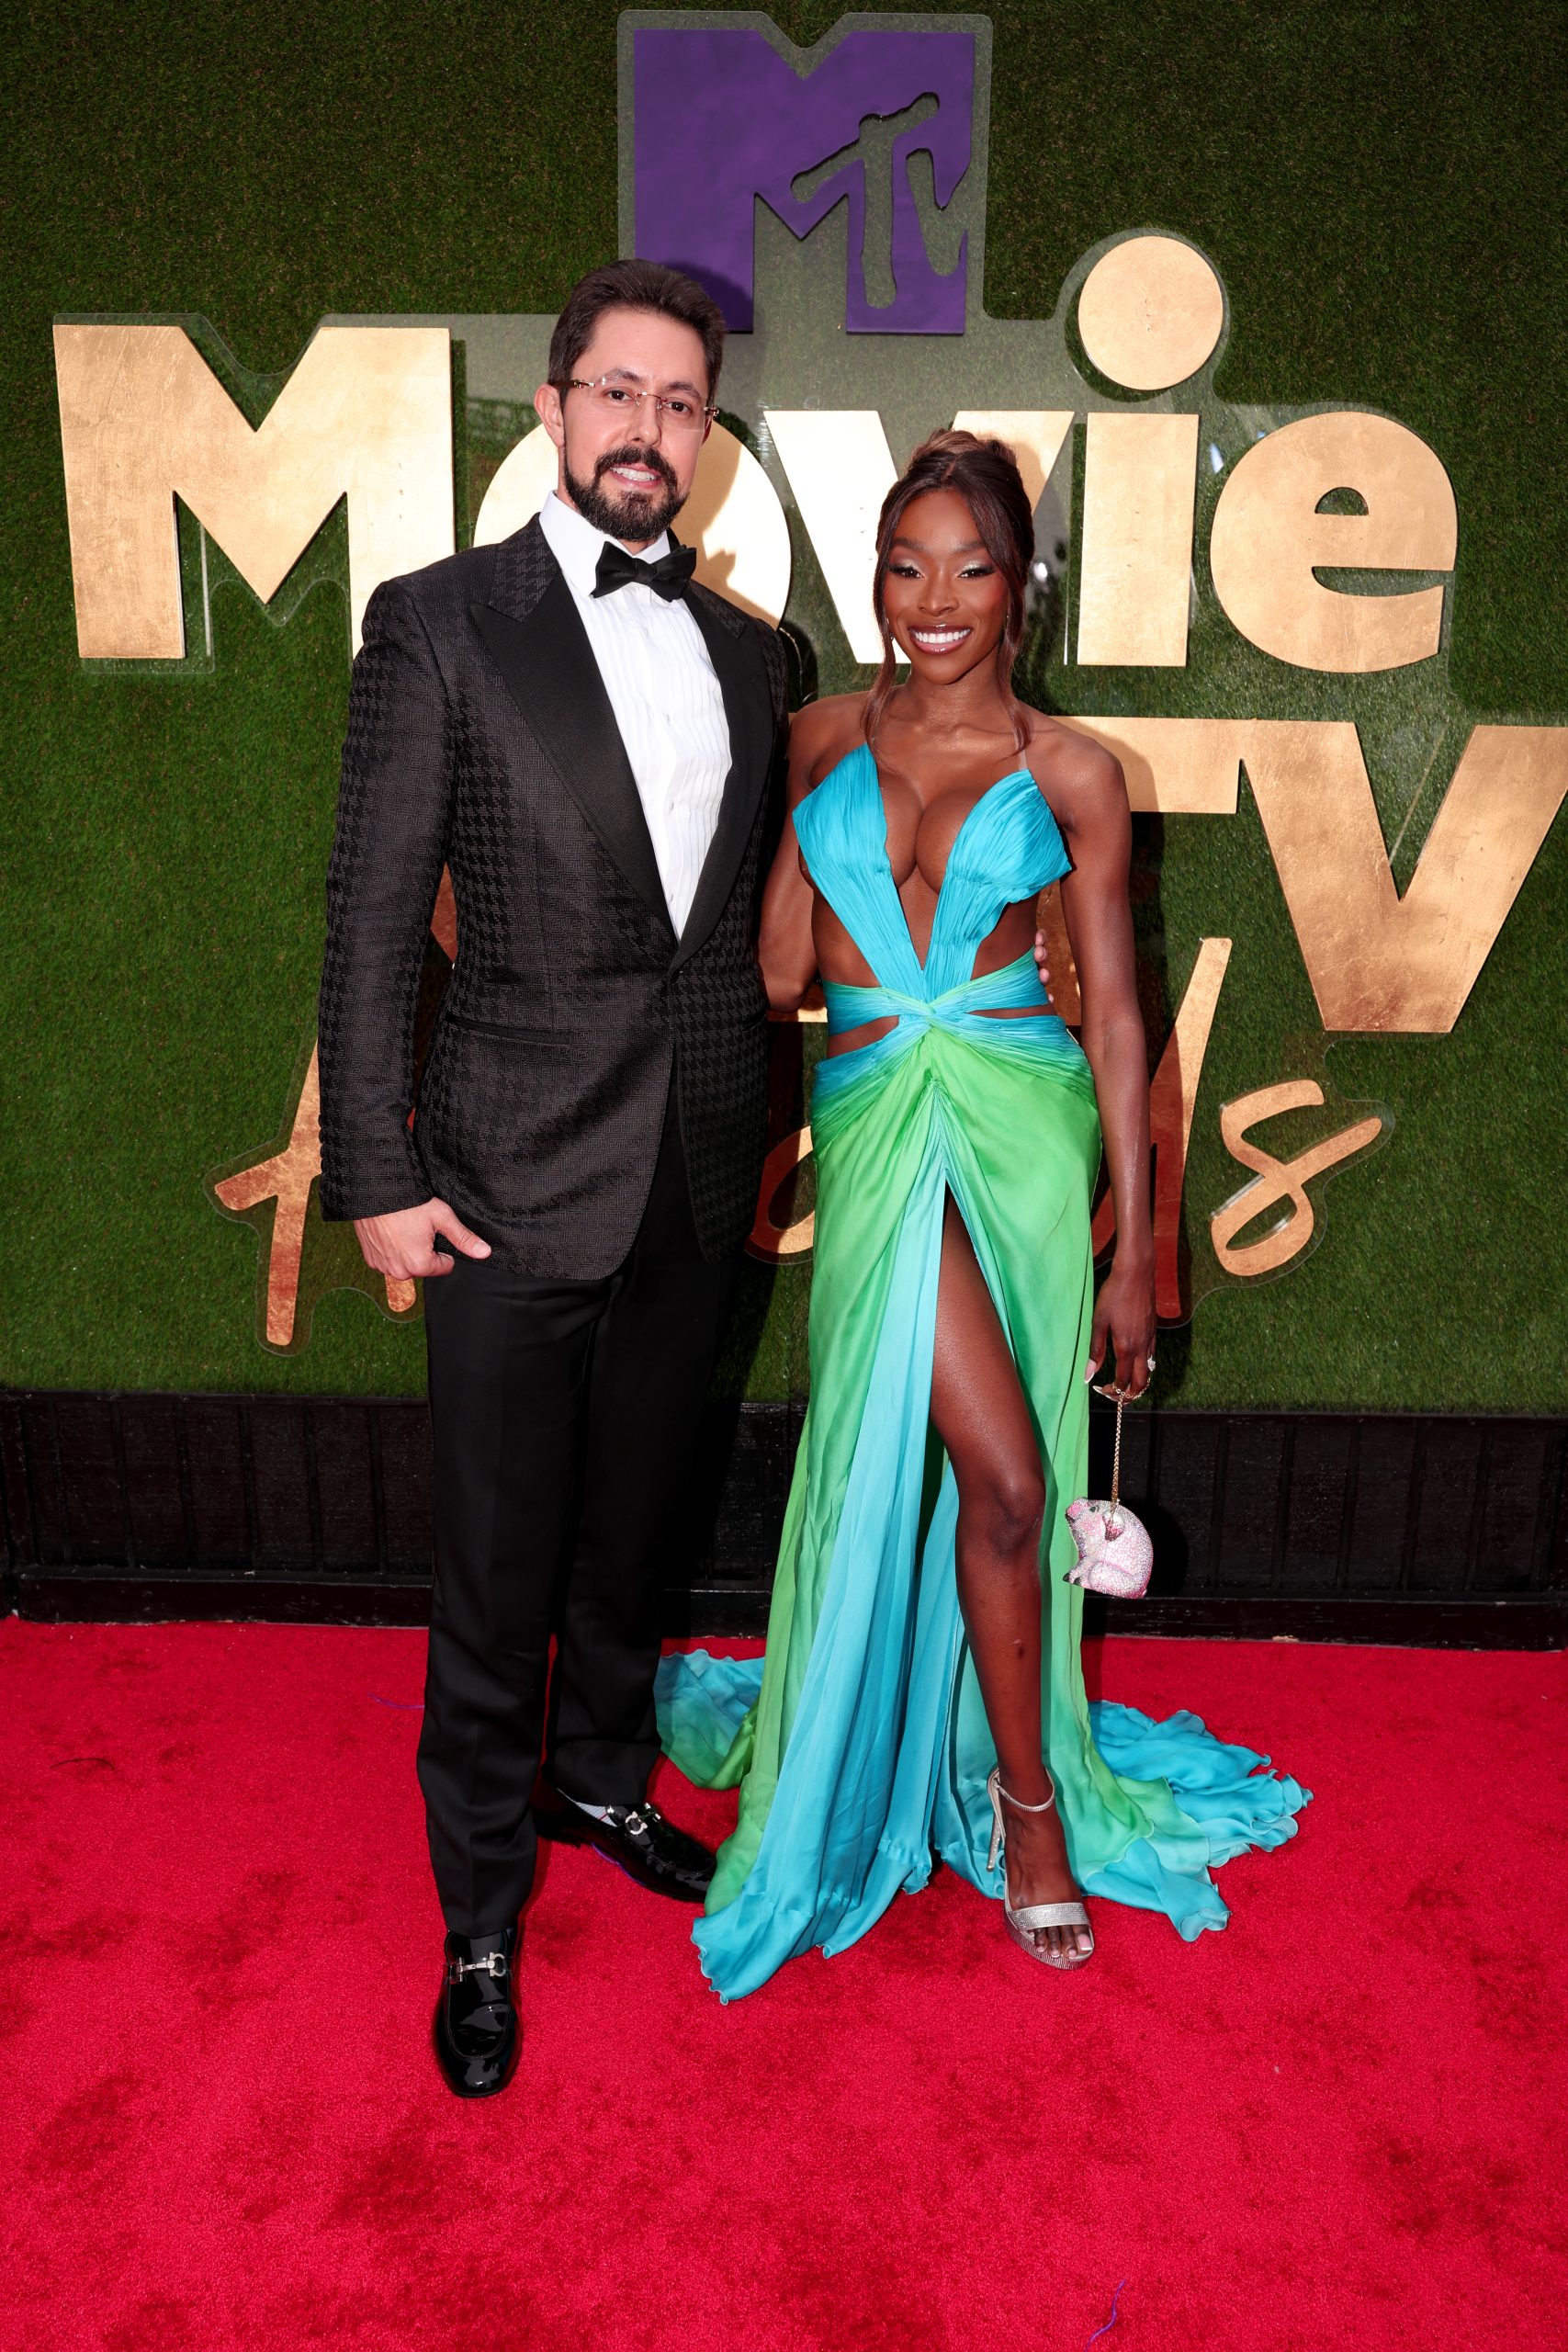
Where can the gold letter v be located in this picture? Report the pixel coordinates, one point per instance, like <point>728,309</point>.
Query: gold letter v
<point>1376,960</point>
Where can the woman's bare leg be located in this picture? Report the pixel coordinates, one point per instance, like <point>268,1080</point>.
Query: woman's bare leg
<point>977,1406</point>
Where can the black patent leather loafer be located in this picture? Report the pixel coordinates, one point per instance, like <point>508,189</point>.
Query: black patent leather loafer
<point>647,1847</point>
<point>477,2028</point>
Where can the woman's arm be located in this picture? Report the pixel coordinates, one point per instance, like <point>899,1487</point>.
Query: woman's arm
<point>785,949</point>
<point>1090,796</point>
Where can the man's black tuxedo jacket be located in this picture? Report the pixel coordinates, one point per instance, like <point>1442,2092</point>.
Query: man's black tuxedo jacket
<point>480,736</point>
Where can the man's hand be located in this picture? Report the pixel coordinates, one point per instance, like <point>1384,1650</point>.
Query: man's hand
<point>402,1244</point>
<point>1039,964</point>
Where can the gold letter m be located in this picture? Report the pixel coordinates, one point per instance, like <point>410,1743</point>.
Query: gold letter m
<point>366,416</point>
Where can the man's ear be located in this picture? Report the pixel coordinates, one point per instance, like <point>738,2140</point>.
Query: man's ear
<point>547,404</point>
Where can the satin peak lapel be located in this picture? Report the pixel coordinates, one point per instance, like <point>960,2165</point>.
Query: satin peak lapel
<point>743,681</point>
<point>534,635</point>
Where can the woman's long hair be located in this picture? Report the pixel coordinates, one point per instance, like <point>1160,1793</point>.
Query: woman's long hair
<point>985,476</point>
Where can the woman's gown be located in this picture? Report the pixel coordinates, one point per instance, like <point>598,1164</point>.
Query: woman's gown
<point>861,1741</point>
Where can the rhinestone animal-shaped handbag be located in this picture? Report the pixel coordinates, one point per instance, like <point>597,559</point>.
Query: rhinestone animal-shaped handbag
<point>1114,1551</point>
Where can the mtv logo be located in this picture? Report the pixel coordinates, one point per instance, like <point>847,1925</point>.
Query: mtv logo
<point>881,117</point>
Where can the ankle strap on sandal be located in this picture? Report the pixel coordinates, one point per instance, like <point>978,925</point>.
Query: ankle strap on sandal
<point>1019,1803</point>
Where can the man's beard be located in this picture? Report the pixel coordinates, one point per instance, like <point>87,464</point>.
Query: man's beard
<point>627,515</point>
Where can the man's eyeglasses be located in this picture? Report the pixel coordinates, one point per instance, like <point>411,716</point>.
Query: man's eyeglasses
<point>678,411</point>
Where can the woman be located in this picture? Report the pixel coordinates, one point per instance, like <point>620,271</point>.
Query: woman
<point>922,1688</point>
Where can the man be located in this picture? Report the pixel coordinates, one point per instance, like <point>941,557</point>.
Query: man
<point>586,738</point>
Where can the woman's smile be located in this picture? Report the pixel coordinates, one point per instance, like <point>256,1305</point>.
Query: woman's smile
<point>940,641</point>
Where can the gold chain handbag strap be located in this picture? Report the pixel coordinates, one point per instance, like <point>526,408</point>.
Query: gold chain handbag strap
<point>1116,1464</point>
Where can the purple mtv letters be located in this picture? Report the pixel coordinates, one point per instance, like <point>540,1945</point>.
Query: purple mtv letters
<point>722,119</point>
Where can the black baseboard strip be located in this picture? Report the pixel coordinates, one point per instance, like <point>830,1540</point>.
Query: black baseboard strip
<point>1526,1624</point>
<point>79,1596</point>
<point>1381,1527</point>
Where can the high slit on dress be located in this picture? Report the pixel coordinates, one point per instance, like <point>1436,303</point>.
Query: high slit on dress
<point>859,1743</point>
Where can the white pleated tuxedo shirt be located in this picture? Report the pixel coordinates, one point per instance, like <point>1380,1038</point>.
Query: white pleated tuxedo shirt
<point>666,698</point>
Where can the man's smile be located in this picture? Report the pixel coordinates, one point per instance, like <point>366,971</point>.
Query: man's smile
<point>637,478</point>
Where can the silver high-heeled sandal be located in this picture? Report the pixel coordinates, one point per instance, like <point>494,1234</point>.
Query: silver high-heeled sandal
<point>1024,1924</point>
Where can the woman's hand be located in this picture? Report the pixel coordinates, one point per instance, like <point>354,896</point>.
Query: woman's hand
<point>1124,1319</point>
<point>1040,952</point>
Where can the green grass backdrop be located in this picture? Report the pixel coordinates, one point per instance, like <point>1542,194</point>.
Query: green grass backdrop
<point>1381,188</point>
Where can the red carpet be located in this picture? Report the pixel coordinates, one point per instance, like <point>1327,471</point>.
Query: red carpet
<point>1340,2123</point>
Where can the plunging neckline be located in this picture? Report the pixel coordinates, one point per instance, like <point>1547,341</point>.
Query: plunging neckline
<point>1012,776</point>
<point>1008,836</point>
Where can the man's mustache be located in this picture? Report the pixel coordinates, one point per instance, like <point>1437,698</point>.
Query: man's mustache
<point>632,455</point>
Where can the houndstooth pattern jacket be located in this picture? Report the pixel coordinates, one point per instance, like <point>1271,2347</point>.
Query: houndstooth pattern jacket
<point>480,737</point>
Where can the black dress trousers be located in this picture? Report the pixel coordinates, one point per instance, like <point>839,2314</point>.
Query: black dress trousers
<point>564,1415</point>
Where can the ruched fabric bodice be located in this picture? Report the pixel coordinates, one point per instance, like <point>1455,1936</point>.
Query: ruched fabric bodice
<point>1007,848</point>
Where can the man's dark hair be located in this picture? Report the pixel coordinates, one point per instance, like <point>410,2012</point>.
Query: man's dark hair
<point>635,286</point>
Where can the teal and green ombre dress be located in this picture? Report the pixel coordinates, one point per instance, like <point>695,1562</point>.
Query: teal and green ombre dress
<point>860,1743</point>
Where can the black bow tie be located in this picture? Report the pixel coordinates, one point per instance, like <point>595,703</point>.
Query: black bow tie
<point>667,578</point>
